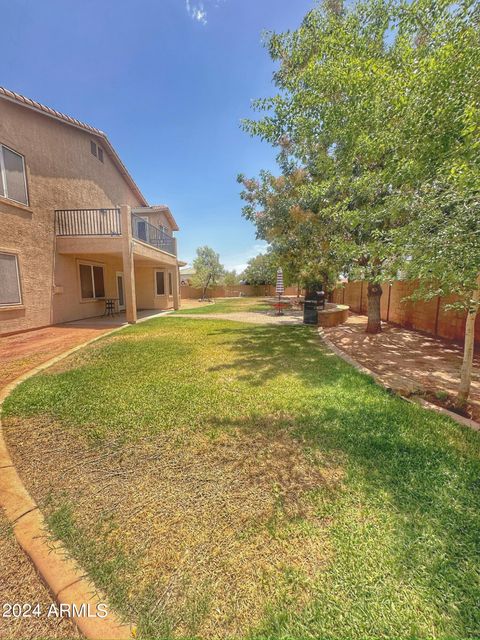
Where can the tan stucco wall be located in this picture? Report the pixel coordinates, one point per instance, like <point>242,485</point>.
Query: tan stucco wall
<point>61,174</point>
<point>157,218</point>
<point>145,289</point>
<point>67,302</point>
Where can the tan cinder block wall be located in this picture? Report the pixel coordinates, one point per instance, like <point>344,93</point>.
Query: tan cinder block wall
<point>61,174</point>
<point>428,316</point>
<point>187,292</point>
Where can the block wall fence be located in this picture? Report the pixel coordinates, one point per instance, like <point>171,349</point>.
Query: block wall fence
<point>192,293</point>
<point>430,317</point>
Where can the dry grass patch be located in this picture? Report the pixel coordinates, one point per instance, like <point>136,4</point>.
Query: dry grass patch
<point>20,583</point>
<point>220,525</point>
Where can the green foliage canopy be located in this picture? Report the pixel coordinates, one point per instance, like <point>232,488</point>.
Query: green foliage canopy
<point>376,122</point>
<point>208,270</point>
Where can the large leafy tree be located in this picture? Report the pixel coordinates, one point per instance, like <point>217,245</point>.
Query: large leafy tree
<point>443,242</point>
<point>208,270</point>
<point>230,278</point>
<point>357,136</point>
<point>438,153</point>
<point>261,270</point>
<point>281,209</point>
<point>329,122</point>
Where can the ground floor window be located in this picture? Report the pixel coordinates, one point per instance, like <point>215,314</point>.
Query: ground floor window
<point>10,290</point>
<point>170,283</point>
<point>160,283</point>
<point>92,281</point>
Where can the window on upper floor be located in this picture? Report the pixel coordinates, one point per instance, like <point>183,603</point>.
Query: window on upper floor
<point>96,150</point>
<point>13,182</point>
<point>10,290</point>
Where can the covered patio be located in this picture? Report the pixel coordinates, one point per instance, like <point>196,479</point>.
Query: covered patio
<point>109,260</point>
<point>117,320</point>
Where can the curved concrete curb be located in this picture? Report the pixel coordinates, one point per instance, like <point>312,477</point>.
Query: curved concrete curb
<point>466,422</point>
<point>64,578</point>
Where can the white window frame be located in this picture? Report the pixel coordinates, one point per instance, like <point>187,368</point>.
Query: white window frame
<point>86,263</point>
<point>4,175</point>
<point>8,305</point>
<point>165,283</point>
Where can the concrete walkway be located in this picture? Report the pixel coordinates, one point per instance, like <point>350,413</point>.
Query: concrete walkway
<point>255,317</point>
<point>406,360</point>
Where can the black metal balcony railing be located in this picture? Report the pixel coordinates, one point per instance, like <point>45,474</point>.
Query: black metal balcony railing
<point>88,222</point>
<point>154,236</point>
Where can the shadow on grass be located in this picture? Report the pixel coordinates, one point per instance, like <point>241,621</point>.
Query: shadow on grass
<point>419,469</point>
<point>421,499</point>
<point>264,352</point>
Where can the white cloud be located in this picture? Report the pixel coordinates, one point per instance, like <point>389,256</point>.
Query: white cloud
<point>239,261</point>
<point>196,11</point>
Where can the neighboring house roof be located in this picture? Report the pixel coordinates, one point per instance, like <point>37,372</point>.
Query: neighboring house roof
<point>159,207</point>
<point>11,96</point>
<point>189,271</point>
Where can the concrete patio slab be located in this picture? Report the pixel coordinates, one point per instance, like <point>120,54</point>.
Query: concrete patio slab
<point>21,352</point>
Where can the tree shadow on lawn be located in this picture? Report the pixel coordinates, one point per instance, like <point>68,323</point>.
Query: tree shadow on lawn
<point>265,352</point>
<point>419,470</point>
<point>420,494</point>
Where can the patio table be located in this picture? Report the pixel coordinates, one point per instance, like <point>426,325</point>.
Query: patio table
<point>279,306</point>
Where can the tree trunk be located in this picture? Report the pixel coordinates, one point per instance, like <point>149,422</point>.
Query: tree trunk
<point>468,348</point>
<point>374,295</point>
<point>205,288</point>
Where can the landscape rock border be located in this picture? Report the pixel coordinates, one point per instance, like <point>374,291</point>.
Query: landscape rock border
<point>466,422</point>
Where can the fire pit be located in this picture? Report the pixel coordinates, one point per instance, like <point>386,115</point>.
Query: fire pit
<point>332,315</point>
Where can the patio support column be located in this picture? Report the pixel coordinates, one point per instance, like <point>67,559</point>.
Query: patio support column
<point>176,288</point>
<point>128,264</point>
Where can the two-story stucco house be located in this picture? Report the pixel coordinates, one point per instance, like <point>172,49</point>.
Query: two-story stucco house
<point>75,229</point>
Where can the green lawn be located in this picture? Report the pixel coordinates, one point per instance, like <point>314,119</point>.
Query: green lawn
<point>222,480</point>
<point>230,305</point>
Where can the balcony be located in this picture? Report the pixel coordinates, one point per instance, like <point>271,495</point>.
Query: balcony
<point>154,236</point>
<point>88,222</point>
<point>100,224</point>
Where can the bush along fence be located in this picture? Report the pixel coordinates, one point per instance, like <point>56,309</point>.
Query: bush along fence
<point>428,316</point>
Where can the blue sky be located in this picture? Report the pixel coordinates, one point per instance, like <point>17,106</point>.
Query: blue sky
<point>168,81</point>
